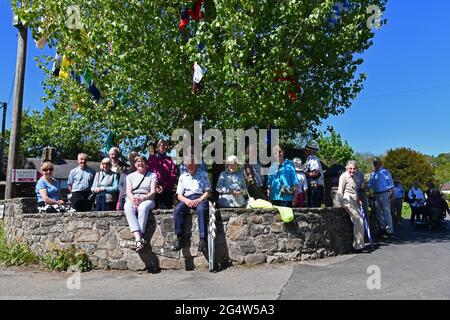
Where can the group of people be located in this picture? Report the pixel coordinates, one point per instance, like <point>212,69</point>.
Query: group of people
<point>388,197</point>
<point>141,185</point>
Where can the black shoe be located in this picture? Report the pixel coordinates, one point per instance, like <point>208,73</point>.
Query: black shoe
<point>358,251</point>
<point>178,245</point>
<point>202,246</point>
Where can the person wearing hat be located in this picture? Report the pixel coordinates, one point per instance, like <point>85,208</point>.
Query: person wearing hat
<point>231,185</point>
<point>383,187</point>
<point>302,189</point>
<point>314,175</point>
<point>282,183</point>
<point>166,172</point>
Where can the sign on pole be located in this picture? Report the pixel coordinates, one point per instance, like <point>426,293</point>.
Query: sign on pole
<point>24,175</point>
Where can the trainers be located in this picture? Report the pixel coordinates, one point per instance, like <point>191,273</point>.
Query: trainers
<point>177,245</point>
<point>202,245</point>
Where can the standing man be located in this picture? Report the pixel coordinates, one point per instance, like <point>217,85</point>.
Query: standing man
<point>314,175</point>
<point>166,173</point>
<point>80,183</point>
<point>383,187</point>
<point>282,183</point>
<point>397,203</point>
<point>117,165</point>
<point>348,194</point>
<point>416,199</point>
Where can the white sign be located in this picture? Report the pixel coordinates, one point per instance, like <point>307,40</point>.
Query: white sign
<point>24,175</point>
<point>2,210</point>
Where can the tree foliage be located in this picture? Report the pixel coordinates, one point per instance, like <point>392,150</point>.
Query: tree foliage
<point>408,166</point>
<point>142,63</point>
<point>68,132</point>
<point>332,149</point>
<point>443,168</point>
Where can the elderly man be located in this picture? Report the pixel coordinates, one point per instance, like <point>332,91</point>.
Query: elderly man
<point>117,165</point>
<point>348,193</point>
<point>166,172</point>
<point>383,187</point>
<point>193,190</point>
<point>79,183</point>
<point>314,175</point>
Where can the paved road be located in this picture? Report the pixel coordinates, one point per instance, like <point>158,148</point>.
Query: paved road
<point>415,265</point>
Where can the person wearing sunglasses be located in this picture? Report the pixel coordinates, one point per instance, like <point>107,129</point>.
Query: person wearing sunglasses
<point>47,189</point>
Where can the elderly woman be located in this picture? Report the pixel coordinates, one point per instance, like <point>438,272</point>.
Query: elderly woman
<point>231,186</point>
<point>105,186</point>
<point>192,191</point>
<point>349,187</point>
<point>47,189</point>
<point>141,189</point>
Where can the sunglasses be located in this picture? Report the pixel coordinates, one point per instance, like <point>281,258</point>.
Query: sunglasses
<point>48,170</point>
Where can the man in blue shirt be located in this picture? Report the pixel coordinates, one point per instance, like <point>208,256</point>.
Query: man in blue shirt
<point>383,187</point>
<point>80,183</point>
<point>397,203</point>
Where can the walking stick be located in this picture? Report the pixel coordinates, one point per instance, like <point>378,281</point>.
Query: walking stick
<point>211,236</point>
<point>366,226</point>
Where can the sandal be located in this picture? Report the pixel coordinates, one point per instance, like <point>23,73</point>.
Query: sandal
<point>140,244</point>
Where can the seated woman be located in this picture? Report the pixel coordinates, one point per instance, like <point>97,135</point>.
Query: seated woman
<point>141,189</point>
<point>231,186</point>
<point>47,189</point>
<point>105,186</point>
<point>437,207</point>
<point>123,180</point>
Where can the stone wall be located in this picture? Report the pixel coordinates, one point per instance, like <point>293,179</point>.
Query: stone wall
<point>244,236</point>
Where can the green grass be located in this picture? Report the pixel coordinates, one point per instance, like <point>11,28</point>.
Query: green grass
<point>20,254</point>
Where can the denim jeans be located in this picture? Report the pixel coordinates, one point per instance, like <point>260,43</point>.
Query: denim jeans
<point>383,211</point>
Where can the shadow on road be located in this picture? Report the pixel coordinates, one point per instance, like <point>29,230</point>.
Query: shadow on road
<point>410,235</point>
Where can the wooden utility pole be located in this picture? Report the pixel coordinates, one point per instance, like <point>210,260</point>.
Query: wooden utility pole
<point>14,139</point>
<point>2,143</point>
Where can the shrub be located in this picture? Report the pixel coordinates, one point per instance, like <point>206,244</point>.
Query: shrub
<point>62,258</point>
<point>15,254</point>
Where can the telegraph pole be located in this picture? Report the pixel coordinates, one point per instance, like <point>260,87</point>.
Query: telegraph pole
<point>2,143</point>
<point>17,107</point>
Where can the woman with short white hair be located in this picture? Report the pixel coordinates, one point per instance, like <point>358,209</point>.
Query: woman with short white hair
<point>231,185</point>
<point>349,186</point>
<point>105,186</point>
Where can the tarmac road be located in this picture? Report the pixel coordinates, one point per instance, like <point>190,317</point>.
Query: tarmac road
<point>415,265</point>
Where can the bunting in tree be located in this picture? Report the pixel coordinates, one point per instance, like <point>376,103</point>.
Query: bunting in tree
<point>197,12</point>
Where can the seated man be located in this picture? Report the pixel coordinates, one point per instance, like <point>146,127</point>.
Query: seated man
<point>192,191</point>
<point>437,207</point>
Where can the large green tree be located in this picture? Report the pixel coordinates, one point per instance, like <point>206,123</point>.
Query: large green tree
<point>332,149</point>
<point>408,165</point>
<point>69,133</point>
<point>142,63</point>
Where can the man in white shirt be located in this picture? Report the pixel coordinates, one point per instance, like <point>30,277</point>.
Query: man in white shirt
<point>416,201</point>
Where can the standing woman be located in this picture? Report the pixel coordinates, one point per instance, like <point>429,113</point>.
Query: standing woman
<point>349,186</point>
<point>47,189</point>
<point>141,189</point>
<point>105,186</point>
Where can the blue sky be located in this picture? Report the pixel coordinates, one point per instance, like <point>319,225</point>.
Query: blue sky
<point>406,99</point>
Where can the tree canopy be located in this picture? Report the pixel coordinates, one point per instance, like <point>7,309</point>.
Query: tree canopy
<point>257,53</point>
<point>408,165</point>
<point>332,149</point>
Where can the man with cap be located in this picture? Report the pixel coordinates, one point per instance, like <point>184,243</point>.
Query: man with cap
<point>383,187</point>
<point>314,175</point>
